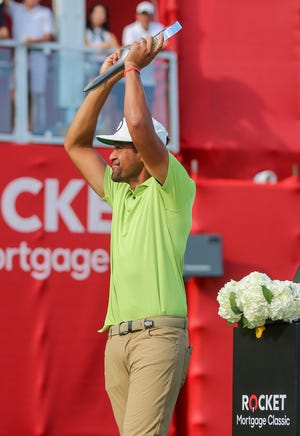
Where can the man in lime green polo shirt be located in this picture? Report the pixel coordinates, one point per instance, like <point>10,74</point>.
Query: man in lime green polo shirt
<point>151,195</point>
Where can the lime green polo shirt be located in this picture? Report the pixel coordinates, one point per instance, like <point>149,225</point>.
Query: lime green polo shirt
<point>150,226</point>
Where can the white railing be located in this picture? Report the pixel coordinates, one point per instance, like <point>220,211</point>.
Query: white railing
<point>66,71</point>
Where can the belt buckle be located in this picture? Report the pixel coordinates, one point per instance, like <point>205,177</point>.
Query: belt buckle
<point>129,328</point>
<point>148,323</point>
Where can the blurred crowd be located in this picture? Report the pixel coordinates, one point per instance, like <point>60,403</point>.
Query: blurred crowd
<point>30,23</point>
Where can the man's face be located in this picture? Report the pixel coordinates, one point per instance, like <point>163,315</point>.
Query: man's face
<point>31,3</point>
<point>144,19</point>
<point>126,163</point>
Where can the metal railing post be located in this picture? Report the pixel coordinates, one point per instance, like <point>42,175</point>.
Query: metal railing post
<point>21,118</point>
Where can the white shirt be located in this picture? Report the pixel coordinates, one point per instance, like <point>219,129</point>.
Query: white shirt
<point>132,33</point>
<point>30,23</point>
<point>97,36</point>
<point>33,23</point>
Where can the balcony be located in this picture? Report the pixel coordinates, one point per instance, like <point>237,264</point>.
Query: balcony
<point>39,107</point>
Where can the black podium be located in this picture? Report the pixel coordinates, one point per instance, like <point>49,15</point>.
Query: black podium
<point>266,381</point>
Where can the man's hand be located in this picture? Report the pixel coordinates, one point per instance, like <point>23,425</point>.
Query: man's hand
<point>143,51</point>
<point>109,62</point>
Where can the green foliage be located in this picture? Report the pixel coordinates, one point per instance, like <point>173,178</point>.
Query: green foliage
<point>267,294</point>
<point>233,305</point>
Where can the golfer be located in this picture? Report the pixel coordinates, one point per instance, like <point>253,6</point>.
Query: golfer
<point>151,196</point>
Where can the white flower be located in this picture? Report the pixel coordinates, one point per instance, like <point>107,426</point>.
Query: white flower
<point>225,298</point>
<point>256,300</point>
<point>282,301</point>
<point>292,311</point>
<point>251,300</point>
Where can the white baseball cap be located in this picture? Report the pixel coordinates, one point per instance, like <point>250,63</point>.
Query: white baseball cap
<point>145,8</point>
<point>122,133</point>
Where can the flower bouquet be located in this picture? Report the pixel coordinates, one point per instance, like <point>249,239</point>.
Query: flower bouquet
<point>256,300</point>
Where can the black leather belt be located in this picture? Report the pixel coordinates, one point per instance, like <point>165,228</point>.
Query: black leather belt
<point>147,323</point>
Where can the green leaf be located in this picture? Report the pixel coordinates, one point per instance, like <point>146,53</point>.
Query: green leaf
<point>244,323</point>
<point>240,323</point>
<point>267,294</point>
<point>233,305</point>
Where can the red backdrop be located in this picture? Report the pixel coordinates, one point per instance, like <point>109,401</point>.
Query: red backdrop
<point>54,291</point>
<point>54,280</point>
<point>239,86</point>
<point>239,114</point>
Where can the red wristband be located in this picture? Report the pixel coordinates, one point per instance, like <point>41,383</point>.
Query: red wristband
<point>131,69</point>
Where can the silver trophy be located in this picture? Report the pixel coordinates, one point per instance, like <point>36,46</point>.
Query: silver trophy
<point>168,32</point>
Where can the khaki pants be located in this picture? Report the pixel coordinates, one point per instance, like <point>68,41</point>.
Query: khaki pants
<point>144,372</point>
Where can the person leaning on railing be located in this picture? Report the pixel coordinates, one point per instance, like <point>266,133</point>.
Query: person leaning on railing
<point>143,26</point>
<point>33,24</point>
<point>98,36</point>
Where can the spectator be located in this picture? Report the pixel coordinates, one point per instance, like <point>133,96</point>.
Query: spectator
<point>3,28</point>
<point>144,26</point>
<point>31,24</point>
<point>98,35</point>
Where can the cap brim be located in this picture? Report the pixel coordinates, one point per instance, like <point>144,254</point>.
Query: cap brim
<point>105,141</point>
<point>111,139</point>
<point>122,134</point>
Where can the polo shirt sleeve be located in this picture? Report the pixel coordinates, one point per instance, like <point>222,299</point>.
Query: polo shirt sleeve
<point>179,189</point>
<point>11,8</point>
<point>108,187</point>
<point>128,35</point>
<point>48,22</point>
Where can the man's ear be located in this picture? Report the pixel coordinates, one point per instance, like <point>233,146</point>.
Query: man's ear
<point>140,158</point>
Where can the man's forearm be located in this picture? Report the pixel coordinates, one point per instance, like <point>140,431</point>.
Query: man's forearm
<point>4,32</point>
<point>47,37</point>
<point>82,129</point>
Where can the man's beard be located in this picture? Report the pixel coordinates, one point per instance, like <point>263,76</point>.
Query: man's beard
<point>116,175</point>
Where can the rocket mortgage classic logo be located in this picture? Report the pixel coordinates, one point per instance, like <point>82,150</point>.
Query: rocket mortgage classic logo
<point>53,214</point>
<point>264,410</point>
